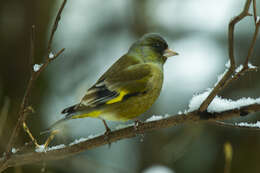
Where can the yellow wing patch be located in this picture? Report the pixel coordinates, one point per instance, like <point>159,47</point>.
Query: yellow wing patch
<point>93,114</point>
<point>118,98</point>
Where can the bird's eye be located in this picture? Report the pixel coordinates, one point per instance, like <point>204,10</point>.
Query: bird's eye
<point>156,45</point>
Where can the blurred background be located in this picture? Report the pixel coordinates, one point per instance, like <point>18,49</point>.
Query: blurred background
<point>95,34</point>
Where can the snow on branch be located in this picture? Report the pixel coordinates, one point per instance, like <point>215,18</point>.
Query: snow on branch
<point>245,124</point>
<point>219,104</point>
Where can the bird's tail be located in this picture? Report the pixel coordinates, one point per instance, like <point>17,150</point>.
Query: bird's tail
<point>72,113</point>
<point>70,109</point>
<point>51,128</point>
<point>69,113</point>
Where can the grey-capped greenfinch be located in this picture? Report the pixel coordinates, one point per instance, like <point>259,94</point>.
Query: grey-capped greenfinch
<point>129,87</point>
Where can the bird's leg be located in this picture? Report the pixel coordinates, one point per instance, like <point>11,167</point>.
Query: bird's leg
<point>108,131</point>
<point>137,123</point>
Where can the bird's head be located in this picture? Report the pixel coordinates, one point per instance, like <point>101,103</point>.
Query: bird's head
<point>152,47</point>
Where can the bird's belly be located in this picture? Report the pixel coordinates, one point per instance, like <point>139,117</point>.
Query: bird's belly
<point>136,105</point>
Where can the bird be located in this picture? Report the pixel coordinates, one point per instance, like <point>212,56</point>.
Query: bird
<point>129,87</point>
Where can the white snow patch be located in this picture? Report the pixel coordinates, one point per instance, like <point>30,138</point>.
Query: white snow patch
<point>251,66</point>
<point>82,139</point>
<point>76,141</point>
<point>154,118</point>
<point>36,67</point>
<point>56,147</point>
<point>167,115</point>
<point>41,148</point>
<point>158,169</point>
<point>14,150</point>
<point>220,104</point>
<point>245,124</point>
<point>227,65</point>
<point>93,136</point>
<point>180,112</point>
<point>257,19</point>
<point>239,68</point>
<point>51,55</point>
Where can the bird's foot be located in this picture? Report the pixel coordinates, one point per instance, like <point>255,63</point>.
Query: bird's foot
<point>107,136</point>
<point>136,124</point>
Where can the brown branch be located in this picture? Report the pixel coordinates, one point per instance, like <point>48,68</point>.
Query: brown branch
<point>4,114</point>
<point>55,25</point>
<point>231,70</point>
<point>249,54</point>
<point>254,10</point>
<point>252,44</point>
<point>34,75</point>
<point>32,48</point>
<point>128,132</point>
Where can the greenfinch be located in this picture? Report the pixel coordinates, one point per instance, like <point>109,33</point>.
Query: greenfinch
<point>129,87</point>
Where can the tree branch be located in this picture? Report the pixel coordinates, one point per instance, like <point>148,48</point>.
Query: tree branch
<point>55,26</point>
<point>128,132</point>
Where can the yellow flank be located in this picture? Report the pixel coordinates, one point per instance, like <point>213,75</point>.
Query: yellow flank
<point>118,98</point>
<point>93,114</point>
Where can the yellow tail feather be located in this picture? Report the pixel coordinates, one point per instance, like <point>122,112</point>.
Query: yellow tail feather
<point>92,114</point>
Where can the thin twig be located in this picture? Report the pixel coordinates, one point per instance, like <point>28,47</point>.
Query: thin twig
<point>26,129</point>
<point>128,132</point>
<point>254,10</point>
<point>55,25</point>
<point>231,70</point>
<point>22,115</point>
<point>252,44</point>
<point>4,114</point>
<point>239,74</point>
<point>32,48</point>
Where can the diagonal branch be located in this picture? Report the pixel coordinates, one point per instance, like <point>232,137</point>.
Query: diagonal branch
<point>128,132</point>
<point>254,10</point>
<point>222,83</point>
<point>55,25</point>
